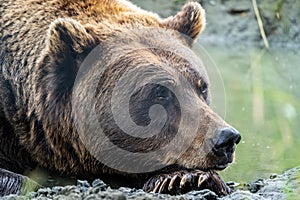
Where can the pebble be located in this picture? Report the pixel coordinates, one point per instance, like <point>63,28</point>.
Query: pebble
<point>267,188</point>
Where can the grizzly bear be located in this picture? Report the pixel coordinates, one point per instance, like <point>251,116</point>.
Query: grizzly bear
<point>81,82</point>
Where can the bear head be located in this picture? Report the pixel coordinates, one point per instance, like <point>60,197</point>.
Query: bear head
<point>130,99</point>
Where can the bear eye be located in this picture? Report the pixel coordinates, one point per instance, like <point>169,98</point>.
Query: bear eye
<point>203,88</point>
<point>161,98</point>
<point>162,94</point>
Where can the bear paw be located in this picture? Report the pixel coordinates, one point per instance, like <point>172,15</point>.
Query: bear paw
<point>184,181</point>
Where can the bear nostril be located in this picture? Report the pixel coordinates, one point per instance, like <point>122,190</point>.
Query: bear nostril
<point>228,137</point>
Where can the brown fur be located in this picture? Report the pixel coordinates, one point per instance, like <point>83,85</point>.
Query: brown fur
<point>42,45</point>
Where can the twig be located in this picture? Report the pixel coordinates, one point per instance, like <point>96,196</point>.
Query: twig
<point>260,24</point>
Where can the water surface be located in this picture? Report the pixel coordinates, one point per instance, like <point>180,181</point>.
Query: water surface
<point>262,101</point>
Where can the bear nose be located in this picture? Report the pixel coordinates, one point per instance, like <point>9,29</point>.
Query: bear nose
<point>228,137</point>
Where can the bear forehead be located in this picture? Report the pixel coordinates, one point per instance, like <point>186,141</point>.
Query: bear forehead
<point>156,46</point>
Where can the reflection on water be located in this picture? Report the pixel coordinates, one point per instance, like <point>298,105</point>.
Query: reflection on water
<point>262,102</point>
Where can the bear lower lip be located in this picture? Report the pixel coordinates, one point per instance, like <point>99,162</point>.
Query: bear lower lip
<point>220,167</point>
<point>175,168</point>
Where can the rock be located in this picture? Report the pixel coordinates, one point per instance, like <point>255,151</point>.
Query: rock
<point>279,187</point>
<point>100,184</point>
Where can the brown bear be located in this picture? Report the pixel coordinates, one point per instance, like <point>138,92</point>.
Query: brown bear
<point>51,77</point>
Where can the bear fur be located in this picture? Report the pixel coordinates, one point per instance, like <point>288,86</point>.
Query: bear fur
<point>42,44</point>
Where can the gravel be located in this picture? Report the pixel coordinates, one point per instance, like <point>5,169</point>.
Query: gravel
<point>279,187</point>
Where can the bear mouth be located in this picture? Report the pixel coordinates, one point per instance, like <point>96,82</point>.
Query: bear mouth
<point>176,167</point>
<point>220,167</point>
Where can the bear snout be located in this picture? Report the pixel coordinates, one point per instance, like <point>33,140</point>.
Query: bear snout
<point>228,137</point>
<point>225,146</point>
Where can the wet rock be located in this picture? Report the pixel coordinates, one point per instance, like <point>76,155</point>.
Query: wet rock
<point>277,187</point>
<point>256,185</point>
<point>99,184</point>
<point>205,194</point>
<point>81,183</point>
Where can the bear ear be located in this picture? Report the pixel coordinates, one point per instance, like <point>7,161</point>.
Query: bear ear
<point>68,36</point>
<point>67,44</point>
<point>189,21</point>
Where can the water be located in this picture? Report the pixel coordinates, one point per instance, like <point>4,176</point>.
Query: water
<point>262,101</point>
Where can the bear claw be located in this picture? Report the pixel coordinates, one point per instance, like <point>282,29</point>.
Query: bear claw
<point>183,181</point>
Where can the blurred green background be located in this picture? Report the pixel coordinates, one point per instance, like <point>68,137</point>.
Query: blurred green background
<point>262,102</point>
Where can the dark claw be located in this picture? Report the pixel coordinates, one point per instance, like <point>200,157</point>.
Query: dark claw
<point>157,183</point>
<point>183,181</point>
<point>202,178</point>
<point>187,178</point>
<point>173,180</point>
<point>163,185</point>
